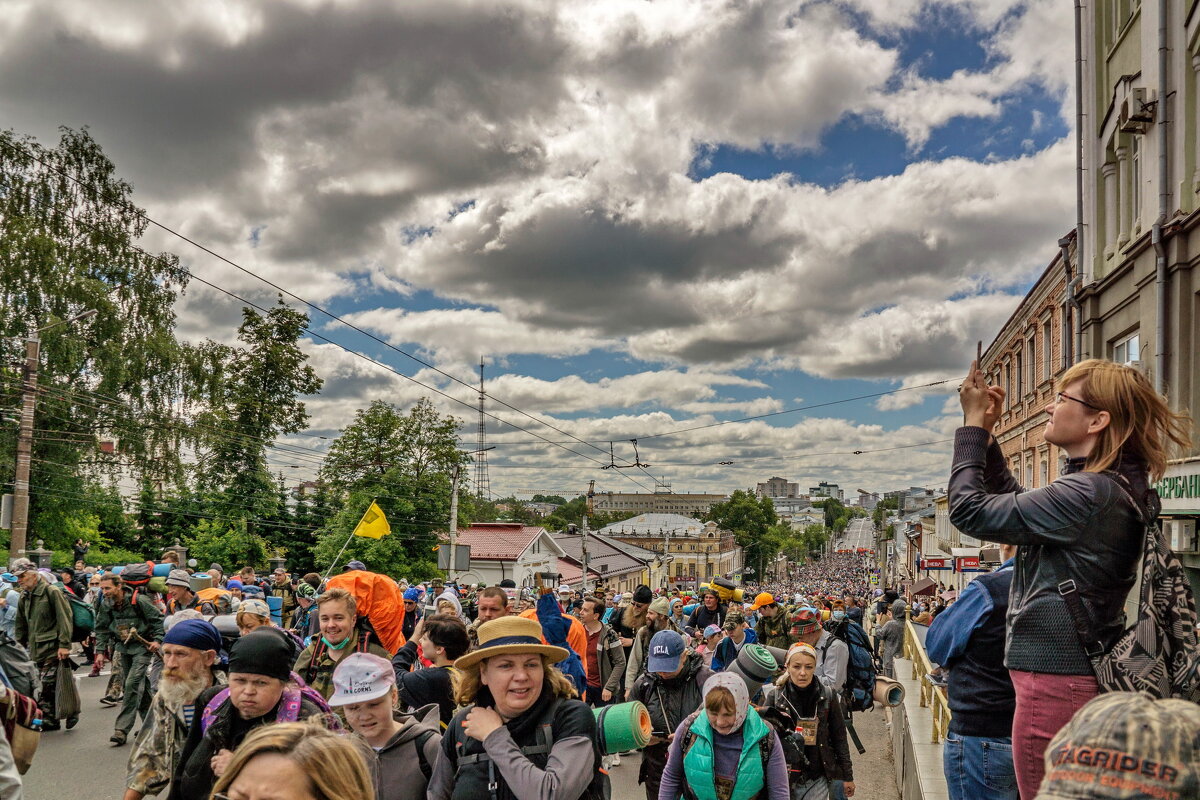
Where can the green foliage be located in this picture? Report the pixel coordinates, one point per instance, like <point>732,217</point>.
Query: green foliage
<point>227,542</point>
<point>549,498</point>
<point>749,518</point>
<point>68,244</point>
<point>97,558</point>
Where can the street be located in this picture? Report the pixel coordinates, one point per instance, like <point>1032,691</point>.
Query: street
<point>859,533</point>
<point>81,762</point>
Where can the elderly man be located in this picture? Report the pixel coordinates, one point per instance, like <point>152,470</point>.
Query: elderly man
<point>180,595</point>
<point>189,650</point>
<point>131,626</point>
<point>44,627</point>
<point>658,618</point>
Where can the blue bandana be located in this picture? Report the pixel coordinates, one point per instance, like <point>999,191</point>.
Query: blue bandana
<point>194,633</point>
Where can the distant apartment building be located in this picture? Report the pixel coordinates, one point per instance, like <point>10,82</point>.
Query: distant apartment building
<point>1025,359</point>
<point>916,499</point>
<point>778,488</point>
<point>656,502</point>
<point>867,500</point>
<point>824,489</point>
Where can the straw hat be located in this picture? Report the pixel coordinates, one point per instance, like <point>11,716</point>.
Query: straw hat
<point>504,635</point>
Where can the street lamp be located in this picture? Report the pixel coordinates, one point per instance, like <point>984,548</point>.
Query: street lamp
<point>20,514</point>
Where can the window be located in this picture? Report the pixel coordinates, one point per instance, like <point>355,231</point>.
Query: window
<point>1135,179</point>
<point>1019,377</point>
<point>1127,350</point>
<point>1029,471</point>
<point>1031,362</point>
<point>1047,363</point>
<point>1045,472</point>
<point>1007,393</point>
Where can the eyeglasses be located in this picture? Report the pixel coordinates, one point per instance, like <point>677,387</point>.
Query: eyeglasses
<point>1062,396</point>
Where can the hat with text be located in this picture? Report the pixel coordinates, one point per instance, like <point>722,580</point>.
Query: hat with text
<point>665,649</point>
<point>179,577</point>
<point>361,677</point>
<point>1125,745</point>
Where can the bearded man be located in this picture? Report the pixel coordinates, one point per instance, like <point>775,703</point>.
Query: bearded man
<point>189,650</point>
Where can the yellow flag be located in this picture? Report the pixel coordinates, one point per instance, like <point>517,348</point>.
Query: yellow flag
<point>374,524</point>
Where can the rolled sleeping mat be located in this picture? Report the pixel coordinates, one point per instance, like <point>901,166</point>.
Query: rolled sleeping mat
<point>738,596</point>
<point>157,584</point>
<point>200,581</point>
<point>755,665</point>
<point>725,588</point>
<point>888,692</point>
<point>688,609</point>
<point>276,606</point>
<point>621,727</point>
<point>779,653</point>
<point>162,570</point>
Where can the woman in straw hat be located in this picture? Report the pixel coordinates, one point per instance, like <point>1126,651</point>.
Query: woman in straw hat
<point>521,733</point>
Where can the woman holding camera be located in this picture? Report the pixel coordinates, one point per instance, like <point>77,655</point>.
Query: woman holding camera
<point>808,717</point>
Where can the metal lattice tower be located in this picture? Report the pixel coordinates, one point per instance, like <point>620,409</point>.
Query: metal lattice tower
<point>483,488</point>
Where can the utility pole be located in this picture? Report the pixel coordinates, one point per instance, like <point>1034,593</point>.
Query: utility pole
<point>453,520</point>
<point>20,515</point>
<point>667,558</point>
<point>591,492</point>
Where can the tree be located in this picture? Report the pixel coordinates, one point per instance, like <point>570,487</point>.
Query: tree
<point>68,243</point>
<point>749,518</point>
<point>227,542</point>
<point>253,395</point>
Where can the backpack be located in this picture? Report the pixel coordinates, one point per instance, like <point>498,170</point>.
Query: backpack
<point>21,719</point>
<point>83,616</point>
<point>859,692</point>
<point>136,575</point>
<point>1158,653</point>
<point>689,738</point>
<point>17,670</point>
<point>423,762</point>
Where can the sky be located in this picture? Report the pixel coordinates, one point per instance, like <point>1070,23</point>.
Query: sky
<point>645,216</point>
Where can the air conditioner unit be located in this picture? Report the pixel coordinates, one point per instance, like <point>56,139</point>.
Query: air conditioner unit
<point>1181,533</point>
<point>1137,111</point>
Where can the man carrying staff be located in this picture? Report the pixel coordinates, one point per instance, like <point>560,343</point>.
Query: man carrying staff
<point>44,627</point>
<point>132,627</point>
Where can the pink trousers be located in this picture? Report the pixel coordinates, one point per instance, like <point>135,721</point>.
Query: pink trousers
<point>1045,703</point>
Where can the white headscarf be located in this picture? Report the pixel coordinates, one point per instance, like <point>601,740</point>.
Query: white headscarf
<point>449,595</point>
<point>736,687</point>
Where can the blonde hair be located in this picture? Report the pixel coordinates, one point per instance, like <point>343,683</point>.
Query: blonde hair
<point>335,765</point>
<point>336,594</point>
<point>467,683</point>
<point>1140,421</point>
<point>240,618</point>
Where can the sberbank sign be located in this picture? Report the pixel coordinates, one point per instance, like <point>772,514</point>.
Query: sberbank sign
<point>1179,487</point>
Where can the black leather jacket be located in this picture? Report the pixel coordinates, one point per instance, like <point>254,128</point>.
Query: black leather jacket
<point>1083,526</point>
<point>781,713</point>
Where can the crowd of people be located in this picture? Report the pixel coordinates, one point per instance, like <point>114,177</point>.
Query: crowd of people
<point>247,685</point>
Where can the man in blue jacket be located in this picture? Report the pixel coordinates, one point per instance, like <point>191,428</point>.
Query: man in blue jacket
<point>968,640</point>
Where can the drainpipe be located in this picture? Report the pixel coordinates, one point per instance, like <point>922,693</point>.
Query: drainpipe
<point>1072,328</point>
<point>1164,203</point>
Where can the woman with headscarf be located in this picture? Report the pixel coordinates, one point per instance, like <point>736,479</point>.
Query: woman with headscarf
<point>447,603</point>
<point>521,734</point>
<point>724,751</point>
<point>807,715</point>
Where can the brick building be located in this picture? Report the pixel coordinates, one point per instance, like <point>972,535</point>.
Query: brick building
<point>1026,358</point>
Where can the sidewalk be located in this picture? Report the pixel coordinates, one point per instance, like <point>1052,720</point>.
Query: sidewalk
<point>918,762</point>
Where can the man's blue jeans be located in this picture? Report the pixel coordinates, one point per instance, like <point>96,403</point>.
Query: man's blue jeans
<point>979,768</point>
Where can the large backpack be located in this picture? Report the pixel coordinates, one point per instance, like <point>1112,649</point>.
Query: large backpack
<point>289,706</point>
<point>859,692</point>
<point>83,615</point>
<point>136,575</point>
<point>1158,653</point>
<point>17,670</point>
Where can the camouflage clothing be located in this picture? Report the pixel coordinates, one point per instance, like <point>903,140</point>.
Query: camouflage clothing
<point>321,678</point>
<point>116,626</point>
<point>48,674</point>
<point>158,745</point>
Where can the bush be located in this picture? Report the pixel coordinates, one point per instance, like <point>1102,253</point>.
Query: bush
<point>228,543</point>
<point>96,558</point>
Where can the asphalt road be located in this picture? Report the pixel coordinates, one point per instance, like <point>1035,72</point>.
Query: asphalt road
<point>82,763</point>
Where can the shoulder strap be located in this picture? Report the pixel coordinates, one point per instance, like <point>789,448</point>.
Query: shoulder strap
<point>318,650</point>
<point>423,762</point>
<point>210,710</point>
<point>364,641</point>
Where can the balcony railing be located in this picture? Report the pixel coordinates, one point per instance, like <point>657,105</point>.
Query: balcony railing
<point>933,696</point>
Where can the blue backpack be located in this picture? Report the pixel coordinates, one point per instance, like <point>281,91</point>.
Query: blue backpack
<point>859,691</point>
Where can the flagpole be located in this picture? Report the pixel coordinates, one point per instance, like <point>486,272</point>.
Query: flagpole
<point>338,557</point>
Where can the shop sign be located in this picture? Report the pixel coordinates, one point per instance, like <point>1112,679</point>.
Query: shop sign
<point>1180,489</point>
<point>966,564</point>
<point>936,563</point>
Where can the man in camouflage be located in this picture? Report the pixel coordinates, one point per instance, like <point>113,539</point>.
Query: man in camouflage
<point>189,650</point>
<point>132,626</point>
<point>44,627</point>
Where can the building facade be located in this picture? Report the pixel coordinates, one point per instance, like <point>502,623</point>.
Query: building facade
<point>1025,359</point>
<point>1139,301</point>
<point>777,488</point>
<point>656,502</point>
<point>689,551</point>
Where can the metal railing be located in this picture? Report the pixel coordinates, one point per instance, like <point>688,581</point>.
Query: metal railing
<point>933,696</point>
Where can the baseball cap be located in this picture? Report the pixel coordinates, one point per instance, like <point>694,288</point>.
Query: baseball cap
<point>733,618</point>
<point>280,571</point>
<point>354,565</point>
<point>179,577</point>
<point>564,589</point>
<point>762,599</point>
<point>252,605</point>
<point>711,629</point>
<point>1125,745</point>
<point>361,677</point>
<point>22,565</point>
<point>665,649</point>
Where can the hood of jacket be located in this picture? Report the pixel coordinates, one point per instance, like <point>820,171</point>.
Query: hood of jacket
<point>425,718</point>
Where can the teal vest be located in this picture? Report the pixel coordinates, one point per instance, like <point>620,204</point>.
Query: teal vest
<point>699,768</point>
